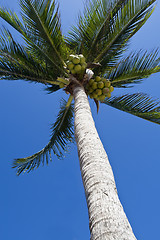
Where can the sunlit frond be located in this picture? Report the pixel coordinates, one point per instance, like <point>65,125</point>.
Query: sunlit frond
<point>42,22</point>
<point>134,68</point>
<point>16,63</point>
<point>62,134</point>
<point>12,19</point>
<point>41,29</point>
<point>105,27</point>
<point>138,104</point>
<point>129,18</point>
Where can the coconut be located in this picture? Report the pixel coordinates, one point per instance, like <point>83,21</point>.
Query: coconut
<point>102,97</point>
<point>103,79</point>
<point>105,90</point>
<point>94,85</point>
<point>90,90</point>
<point>91,81</point>
<point>82,58</point>
<point>73,71</point>
<point>100,84</point>
<point>84,65</point>
<point>76,60</point>
<point>98,79</point>
<point>70,65</point>
<point>78,68</point>
<point>83,68</point>
<point>71,57</point>
<point>98,92</point>
<point>107,83</point>
<point>111,88</point>
<point>108,95</point>
<point>94,95</point>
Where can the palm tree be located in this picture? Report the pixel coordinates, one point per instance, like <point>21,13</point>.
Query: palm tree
<point>81,63</point>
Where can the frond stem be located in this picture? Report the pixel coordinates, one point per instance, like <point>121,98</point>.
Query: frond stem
<point>28,77</point>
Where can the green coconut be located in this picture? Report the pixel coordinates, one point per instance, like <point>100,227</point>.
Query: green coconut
<point>97,79</point>
<point>78,68</point>
<point>82,58</point>
<point>98,92</point>
<point>111,88</point>
<point>83,68</point>
<point>84,65</point>
<point>107,83</point>
<point>103,79</point>
<point>71,57</point>
<point>91,81</point>
<point>102,97</point>
<point>100,84</point>
<point>105,90</point>
<point>70,65</point>
<point>73,71</point>
<point>76,60</point>
<point>94,85</point>
<point>94,95</point>
<point>90,90</point>
<point>108,95</point>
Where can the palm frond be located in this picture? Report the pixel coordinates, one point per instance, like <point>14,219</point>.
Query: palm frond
<point>80,37</point>
<point>62,133</point>
<point>12,19</point>
<point>126,21</point>
<point>134,68</point>
<point>49,44</point>
<point>108,11</point>
<point>42,21</point>
<point>16,63</point>
<point>138,104</point>
<point>106,26</point>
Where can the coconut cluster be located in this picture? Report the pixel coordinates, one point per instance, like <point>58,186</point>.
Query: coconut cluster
<point>76,64</point>
<point>99,88</point>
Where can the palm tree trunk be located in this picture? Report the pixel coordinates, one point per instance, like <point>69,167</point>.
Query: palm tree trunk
<point>107,220</point>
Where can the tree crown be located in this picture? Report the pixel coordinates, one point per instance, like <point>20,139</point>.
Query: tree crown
<point>96,45</point>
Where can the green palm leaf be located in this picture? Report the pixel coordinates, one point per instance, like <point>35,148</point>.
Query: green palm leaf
<point>16,63</point>
<point>129,18</point>
<point>12,19</point>
<point>80,37</point>
<point>106,26</point>
<point>134,68</point>
<point>108,11</point>
<point>42,21</point>
<point>43,37</point>
<point>138,104</point>
<point>62,133</point>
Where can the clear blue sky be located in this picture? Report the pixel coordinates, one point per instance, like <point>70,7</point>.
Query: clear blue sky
<point>49,203</point>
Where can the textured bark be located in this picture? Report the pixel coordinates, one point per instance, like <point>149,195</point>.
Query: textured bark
<point>107,220</point>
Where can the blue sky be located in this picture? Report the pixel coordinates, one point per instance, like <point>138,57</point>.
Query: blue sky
<point>49,203</point>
